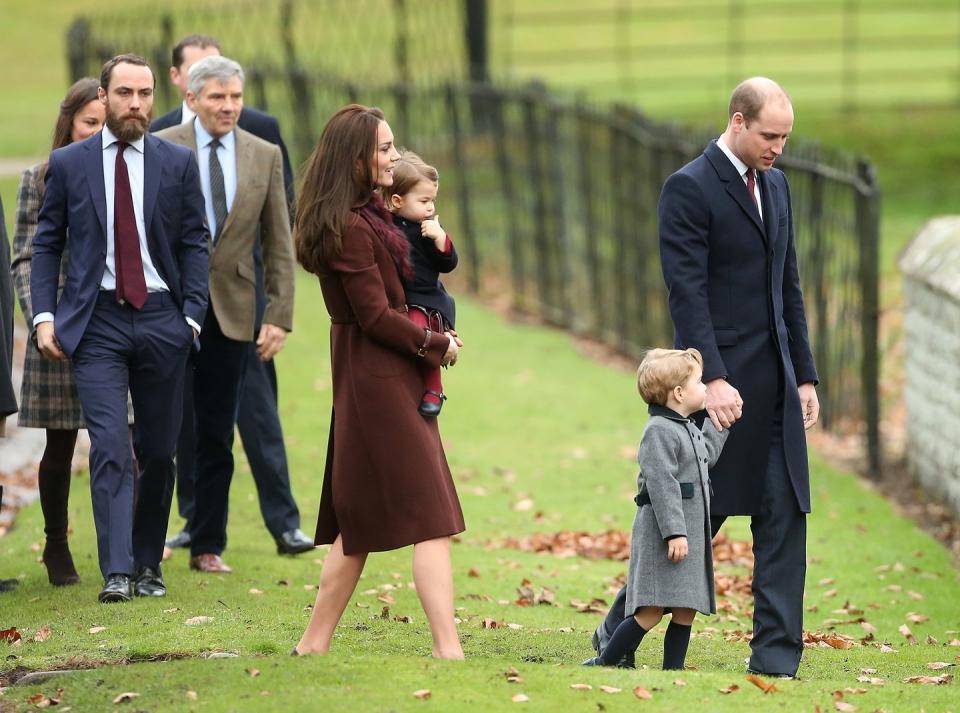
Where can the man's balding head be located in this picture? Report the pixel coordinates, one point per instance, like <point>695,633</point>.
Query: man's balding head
<point>751,95</point>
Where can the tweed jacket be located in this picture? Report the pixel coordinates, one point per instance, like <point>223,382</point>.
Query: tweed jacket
<point>259,210</point>
<point>48,394</point>
<point>674,501</point>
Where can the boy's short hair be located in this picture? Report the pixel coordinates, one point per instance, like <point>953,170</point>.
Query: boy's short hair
<point>409,171</point>
<point>663,369</point>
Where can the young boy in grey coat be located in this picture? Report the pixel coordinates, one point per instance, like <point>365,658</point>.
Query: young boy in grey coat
<point>671,559</point>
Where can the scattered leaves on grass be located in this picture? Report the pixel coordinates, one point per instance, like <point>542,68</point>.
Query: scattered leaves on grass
<point>198,620</point>
<point>520,698</point>
<point>581,686</point>
<point>610,689</point>
<point>931,680</point>
<point>905,630</point>
<point>917,618</point>
<point>171,610</point>
<point>931,640</point>
<point>594,606</point>
<point>43,633</point>
<point>125,697</point>
<point>831,639</point>
<point>387,598</point>
<point>385,614</point>
<point>10,635</point>
<point>885,649</point>
<point>762,685</point>
<point>679,682</point>
<point>844,707</point>
<point>403,619</point>
<point>915,595</point>
<point>96,629</point>
<point>825,582</point>
<point>642,693</point>
<point>41,700</point>
<point>830,593</point>
<point>255,591</point>
<point>192,696</point>
<point>872,680</point>
<point>730,689</point>
<point>489,623</point>
<point>474,572</point>
<point>423,694</point>
<point>513,675</point>
<point>523,505</point>
<point>937,665</point>
<point>253,673</point>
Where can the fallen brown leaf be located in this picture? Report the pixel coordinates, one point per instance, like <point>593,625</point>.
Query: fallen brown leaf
<point>474,572</point>
<point>679,682</point>
<point>610,689</point>
<point>581,686</point>
<point>917,618</point>
<point>854,691</point>
<point>192,696</point>
<point>937,665</point>
<point>761,684</point>
<point>915,595</point>
<point>423,694</point>
<point>844,707</point>
<point>385,613</point>
<point>520,698</point>
<point>256,591</point>
<point>933,680</point>
<point>96,629</point>
<point>730,689</point>
<point>642,693</point>
<point>873,681</point>
<point>905,630</point>
<point>124,697</point>
<point>10,635</point>
<point>253,672</point>
<point>387,598</point>
<point>43,633</point>
<point>198,620</point>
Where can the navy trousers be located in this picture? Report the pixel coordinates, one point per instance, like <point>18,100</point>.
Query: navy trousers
<point>218,373</point>
<point>779,571</point>
<point>261,434</point>
<point>143,351</point>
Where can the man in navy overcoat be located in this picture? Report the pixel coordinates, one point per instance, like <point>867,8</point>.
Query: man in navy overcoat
<point>130,207</point>
<point>730,266</point>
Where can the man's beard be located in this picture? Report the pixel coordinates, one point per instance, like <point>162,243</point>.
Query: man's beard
<point>128,127</point>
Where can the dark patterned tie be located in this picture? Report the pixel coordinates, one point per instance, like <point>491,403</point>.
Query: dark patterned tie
<point>131,284</point>
<point>218,192</point>
<point>752,188</point>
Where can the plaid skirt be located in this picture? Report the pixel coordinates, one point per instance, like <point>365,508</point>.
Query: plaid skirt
<point>48,395</point>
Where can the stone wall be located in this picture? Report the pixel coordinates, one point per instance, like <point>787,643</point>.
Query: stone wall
<point>931,275</point>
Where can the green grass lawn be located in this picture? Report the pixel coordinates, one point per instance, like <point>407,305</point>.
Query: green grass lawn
<point>529,419</point>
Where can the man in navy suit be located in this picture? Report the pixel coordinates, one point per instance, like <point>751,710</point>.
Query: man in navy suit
<point>130,207</point>
<point>730,265</point>
<point>258,420</point>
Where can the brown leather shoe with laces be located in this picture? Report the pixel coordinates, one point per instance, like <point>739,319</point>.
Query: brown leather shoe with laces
<point>209,563</point>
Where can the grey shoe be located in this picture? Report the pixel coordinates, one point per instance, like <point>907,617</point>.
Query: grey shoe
<point>293,542</point>
<point>181,539</point>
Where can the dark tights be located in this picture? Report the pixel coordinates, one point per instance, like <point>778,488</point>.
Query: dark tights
<point>54,477</point>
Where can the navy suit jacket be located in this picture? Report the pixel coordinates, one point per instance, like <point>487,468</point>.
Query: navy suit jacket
<point>734,294</point>
<point>74,200</point>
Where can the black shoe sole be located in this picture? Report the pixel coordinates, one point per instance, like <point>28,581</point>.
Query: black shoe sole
<point>281,550</point>
<point>113,598</point>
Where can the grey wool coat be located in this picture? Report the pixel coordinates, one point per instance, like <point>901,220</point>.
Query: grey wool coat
<point>674,500</point>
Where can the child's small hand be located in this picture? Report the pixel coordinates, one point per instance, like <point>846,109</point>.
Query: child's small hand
<point>677,549</point>
<point>431,230</point>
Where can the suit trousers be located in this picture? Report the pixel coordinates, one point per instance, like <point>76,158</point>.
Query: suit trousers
<point>261,434</point>
<point>779,572</point>
<point>219,368</point>
<point>143,351</point>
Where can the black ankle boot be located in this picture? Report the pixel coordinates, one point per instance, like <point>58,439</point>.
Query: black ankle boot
<point>59,563</point>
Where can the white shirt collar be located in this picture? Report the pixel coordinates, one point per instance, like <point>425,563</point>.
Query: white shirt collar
<point>187,113</point>
<point>204,138</point>
<point>737,163</point>
<point>107,139</point>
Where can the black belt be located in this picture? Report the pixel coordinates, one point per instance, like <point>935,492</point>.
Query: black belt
<point>686,493</point>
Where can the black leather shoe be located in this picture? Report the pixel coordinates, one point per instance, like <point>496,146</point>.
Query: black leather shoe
<point>431,408</point>
<point>149,583</point>
<point>181,539</point>
<point>7,585</point>
<point>115,589</point>
<point>293,542</point>
<point>595,661</point>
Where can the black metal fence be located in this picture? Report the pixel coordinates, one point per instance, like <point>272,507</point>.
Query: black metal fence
<point>553,201</point>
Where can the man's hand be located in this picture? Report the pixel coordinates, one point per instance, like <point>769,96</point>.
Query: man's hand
<point>809,404</point>
<point>677,549</point>
<point>270,341</point>
<point>431,230</point>
<point>47,342</point>
<point>724,405</point>
<point>453,350</point>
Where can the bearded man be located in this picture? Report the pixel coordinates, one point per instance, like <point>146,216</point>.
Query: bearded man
<point>131,209</point>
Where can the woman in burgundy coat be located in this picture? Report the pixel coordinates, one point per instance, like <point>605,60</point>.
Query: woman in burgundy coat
<point>386,484</point>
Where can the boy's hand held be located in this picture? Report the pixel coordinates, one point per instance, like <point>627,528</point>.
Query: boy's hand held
<point>677,549</point>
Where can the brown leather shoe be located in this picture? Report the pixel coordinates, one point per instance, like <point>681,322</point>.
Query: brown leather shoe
<point>209,563</point>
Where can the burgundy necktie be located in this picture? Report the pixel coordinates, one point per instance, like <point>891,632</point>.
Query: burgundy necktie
<point>131,285</point>
<point>752,187</point>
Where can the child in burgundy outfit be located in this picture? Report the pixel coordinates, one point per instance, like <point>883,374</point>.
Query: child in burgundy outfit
<point>411,199</point>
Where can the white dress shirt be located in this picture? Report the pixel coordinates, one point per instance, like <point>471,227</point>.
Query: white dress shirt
<point>742,168</point>
<point>187,114</point>
<point>227,155</point>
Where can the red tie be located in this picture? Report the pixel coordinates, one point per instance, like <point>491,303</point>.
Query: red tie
<point>752,187</point>
<point>131,285</point>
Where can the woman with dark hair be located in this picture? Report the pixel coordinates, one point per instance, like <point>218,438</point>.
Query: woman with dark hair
<point>48,396</point>
<point>387,483</point>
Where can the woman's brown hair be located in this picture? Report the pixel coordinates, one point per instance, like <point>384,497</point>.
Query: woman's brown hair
<point>338,178</point>
<point>78,96</point>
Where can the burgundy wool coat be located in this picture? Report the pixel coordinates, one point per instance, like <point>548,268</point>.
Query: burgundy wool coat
<point>386,483</point>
